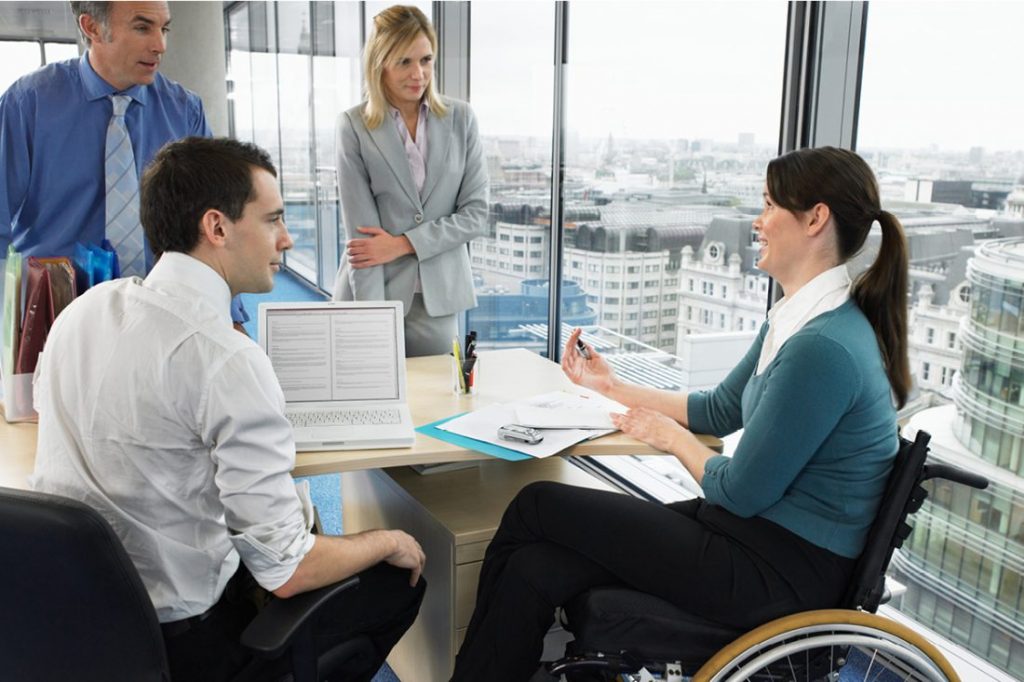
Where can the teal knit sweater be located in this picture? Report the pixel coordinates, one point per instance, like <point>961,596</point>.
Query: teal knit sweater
<point>819,432</point>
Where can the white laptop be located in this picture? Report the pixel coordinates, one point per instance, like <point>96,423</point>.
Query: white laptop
<point>341,366</point>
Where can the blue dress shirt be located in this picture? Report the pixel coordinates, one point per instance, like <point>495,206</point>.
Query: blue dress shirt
<point>53,126</point>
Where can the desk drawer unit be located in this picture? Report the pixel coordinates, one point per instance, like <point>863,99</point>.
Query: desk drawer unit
<point>453,515</point>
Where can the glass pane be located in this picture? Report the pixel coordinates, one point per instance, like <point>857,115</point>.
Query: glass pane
<point>298,178</point>
<point>664,177</point>
<point>56,52</point>
<point>949,166</point>
<point>17,58</point>
<point>337,80</point>
<point>512,99</point>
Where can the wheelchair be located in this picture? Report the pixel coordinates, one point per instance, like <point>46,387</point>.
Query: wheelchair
<point>628,636</point>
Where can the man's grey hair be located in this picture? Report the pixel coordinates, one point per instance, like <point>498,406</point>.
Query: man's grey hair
<point>100,11</point>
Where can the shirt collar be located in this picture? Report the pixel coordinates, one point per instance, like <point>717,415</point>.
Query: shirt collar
<point>182,270</point>
<point>97,88</point>
<point>397,115</point>
<point>791,310</point>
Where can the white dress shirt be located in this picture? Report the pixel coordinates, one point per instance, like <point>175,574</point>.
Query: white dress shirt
<point>826,292</point>
<point>416,155</point>
<point>157,413</point>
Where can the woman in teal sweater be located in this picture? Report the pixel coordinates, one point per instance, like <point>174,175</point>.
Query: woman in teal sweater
<point>784,519</point>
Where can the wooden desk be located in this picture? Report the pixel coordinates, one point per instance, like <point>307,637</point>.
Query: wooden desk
<point>504,375</point>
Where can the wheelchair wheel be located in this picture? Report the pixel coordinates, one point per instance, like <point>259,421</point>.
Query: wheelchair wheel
<point>831,645</point>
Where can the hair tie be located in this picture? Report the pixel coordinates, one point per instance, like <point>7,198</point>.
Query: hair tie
<point>878,215</point>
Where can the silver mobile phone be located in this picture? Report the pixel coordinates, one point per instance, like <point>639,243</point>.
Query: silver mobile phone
<point>520,434</point>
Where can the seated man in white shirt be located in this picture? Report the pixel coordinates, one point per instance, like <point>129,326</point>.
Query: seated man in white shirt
<point>153,410</point>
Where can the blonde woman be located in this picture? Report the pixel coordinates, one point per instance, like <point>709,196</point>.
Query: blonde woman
<point>413,186</point>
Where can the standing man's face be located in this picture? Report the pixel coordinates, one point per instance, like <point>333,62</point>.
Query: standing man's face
<point>128,50</point>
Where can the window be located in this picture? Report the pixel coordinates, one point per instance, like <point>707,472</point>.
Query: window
<point>512,101</point>
<point>908,130</point>
<point>286,87</point>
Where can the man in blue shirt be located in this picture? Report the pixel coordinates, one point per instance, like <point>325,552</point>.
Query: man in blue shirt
<point>53,129</point>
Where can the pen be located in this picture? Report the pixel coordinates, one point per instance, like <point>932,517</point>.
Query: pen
<point>581,349</point>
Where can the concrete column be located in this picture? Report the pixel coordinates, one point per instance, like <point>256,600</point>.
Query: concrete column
<point>196,59</point>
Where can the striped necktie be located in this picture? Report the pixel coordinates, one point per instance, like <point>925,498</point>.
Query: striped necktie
<point>122,184</point>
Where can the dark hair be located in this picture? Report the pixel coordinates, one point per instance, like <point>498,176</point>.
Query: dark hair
<point>189,177</point>
<point>100,11</point>
<point>843,181</point>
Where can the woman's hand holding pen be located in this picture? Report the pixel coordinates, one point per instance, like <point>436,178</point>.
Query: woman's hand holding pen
<point>379,248</point>
<point>591,372</point>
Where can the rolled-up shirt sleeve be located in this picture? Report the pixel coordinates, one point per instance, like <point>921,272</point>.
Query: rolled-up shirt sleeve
<point>269,517</point>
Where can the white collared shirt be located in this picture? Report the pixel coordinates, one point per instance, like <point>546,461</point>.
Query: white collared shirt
<point>157,413</point>
<point>415,151</point>
<point>415,155</point>
<point>826,292</point>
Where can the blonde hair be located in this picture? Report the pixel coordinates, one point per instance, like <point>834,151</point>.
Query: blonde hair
<point>394,30</point>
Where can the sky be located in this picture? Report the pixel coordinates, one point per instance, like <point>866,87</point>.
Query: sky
<point>936,73</point>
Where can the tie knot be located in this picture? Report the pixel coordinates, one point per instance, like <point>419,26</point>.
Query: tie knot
<point>121,103</point>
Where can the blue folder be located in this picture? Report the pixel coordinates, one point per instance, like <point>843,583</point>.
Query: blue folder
<point>470,443</point>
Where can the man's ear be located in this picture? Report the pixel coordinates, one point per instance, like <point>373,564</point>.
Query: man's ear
<point>92,29</point>
<point>213,227</point>
<point>818,217</point>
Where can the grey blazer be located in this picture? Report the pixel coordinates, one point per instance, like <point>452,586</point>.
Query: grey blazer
<point>377,189</point>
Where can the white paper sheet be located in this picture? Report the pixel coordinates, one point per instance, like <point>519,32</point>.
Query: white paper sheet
<point>483,424</point>
<point>562,410</point>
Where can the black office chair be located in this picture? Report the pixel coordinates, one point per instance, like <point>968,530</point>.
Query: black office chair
<point>619,632</point>
<point>75,608</point>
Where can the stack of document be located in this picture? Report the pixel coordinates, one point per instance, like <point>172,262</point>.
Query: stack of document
<point>565,418</point>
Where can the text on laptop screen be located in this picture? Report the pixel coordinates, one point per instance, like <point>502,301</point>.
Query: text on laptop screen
<point>331,354</point>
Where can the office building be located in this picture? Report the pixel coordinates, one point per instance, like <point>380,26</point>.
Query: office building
<point>963,565</point>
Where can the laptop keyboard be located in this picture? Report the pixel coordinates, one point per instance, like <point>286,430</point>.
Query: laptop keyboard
<point>383,415</point>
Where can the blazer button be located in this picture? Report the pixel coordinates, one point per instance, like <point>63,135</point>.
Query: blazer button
<point>418,218</point>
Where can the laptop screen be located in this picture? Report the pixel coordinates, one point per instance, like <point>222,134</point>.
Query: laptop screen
<point>334,353</point>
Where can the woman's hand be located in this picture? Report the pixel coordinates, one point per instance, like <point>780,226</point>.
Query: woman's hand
<point>593,373</point>
<point>379,248</point>
<point>652,427</point>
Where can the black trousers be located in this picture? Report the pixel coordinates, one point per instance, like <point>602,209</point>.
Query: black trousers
<point>556,541</point>
<point>382,606</point>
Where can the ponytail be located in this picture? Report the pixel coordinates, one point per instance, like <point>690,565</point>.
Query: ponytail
<point>881,293</point>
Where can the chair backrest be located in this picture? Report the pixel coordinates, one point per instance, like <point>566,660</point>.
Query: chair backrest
<point>74,607</point>
<point>903,496</point>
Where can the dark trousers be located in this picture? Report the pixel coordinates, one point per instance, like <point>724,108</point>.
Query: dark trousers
<point>382,606</point>
<point>556,541</point>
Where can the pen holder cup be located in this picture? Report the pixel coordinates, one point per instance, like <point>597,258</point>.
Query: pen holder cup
<point>463,382</point>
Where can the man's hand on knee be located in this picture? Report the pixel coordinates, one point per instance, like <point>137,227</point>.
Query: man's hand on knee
<point>407,554</point>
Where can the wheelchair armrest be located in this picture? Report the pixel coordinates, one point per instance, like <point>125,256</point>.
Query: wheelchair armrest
<point>955,474</point>
<point>272,631</point>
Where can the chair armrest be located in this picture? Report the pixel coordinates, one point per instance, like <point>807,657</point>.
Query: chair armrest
<point>272,631</point>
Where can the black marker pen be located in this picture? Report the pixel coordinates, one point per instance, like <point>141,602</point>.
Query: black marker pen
<point>581,349</point>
